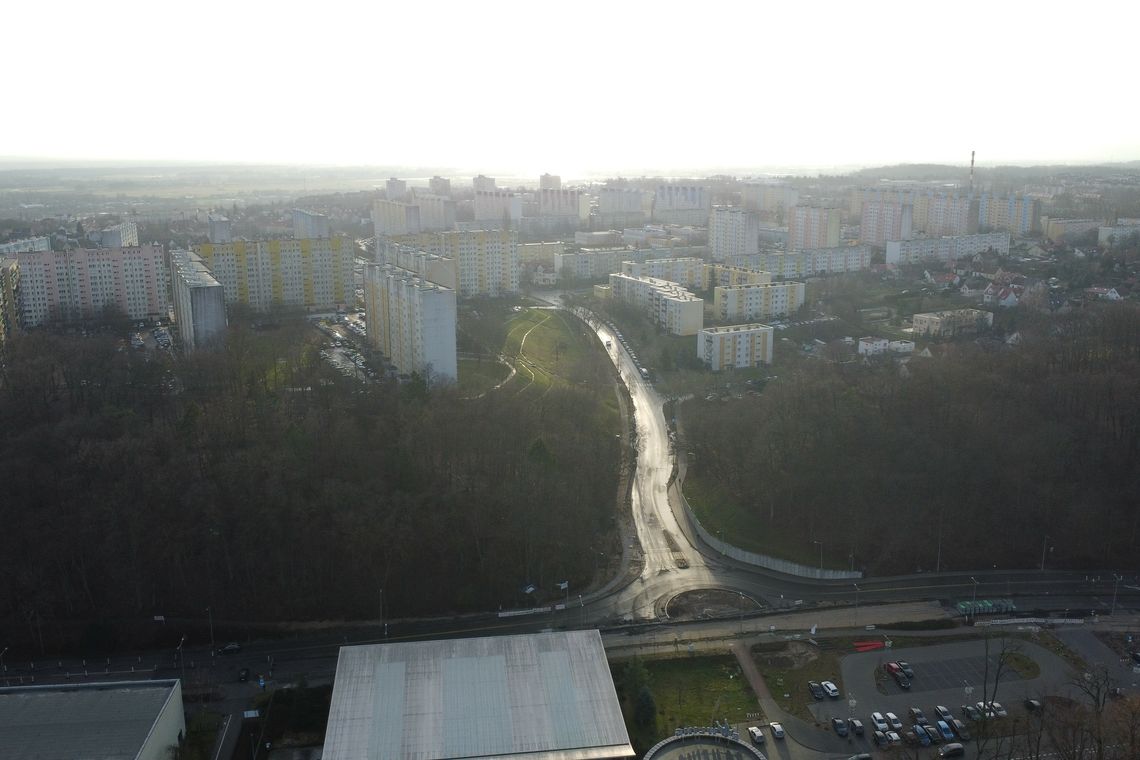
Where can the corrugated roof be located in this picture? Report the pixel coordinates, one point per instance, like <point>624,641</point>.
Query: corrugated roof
<point>530,697</point>
<point>109,721</point>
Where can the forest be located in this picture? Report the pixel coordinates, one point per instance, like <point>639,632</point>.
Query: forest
<point>259,483</point>
<point>982,456</point>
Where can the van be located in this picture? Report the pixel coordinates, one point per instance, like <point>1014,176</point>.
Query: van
<point>953,749</point>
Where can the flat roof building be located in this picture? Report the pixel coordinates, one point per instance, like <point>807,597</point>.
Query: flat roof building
<point>735,346</point>
<point>546,696</point>
<point>141,720</point>
<point>668,304</point>
<point>199,301</point>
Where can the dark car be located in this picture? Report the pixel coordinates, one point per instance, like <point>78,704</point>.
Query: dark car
<point>917,716</point>
<point>243,674</point>
<point>1032,705</point>
<point>815,689</point>
<point>840,726</point>
<point>231,648</point>
<point>902,681</point>
<point>880,739</point>
<point>933,733</point>
<point>969,712</point>
<point>960,729</point>
<point>855,725</point>
<point>904,666</point>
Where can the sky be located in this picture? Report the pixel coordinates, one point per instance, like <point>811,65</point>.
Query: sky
<point>572,87</point>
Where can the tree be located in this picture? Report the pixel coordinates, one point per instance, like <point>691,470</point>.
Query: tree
<point>645,709</point>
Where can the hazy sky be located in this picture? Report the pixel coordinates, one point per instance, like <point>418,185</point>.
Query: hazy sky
<point>572,86</point>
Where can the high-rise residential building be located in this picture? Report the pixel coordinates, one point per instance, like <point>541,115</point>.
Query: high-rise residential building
<point>311,274</point>
<point>124,235</point>
<point>486,184</point>
<point>441,270</point>
<point>486,261</point>
<point>735,346</point>
<point>733,231</point>
<point>309,225</point>
<point>1016,215</point>
<point>395,189</point>
<point>199,302</point>
<point>559,202</point>
<point>10,318</point>
<point>437,212</point>
<point>549,182</point>
<point>497,208</point>
<point>674,308</point>
<point>221,231</point>
<point>1118,233</point>
<point>411,320</point>
<point>422,212</point>
<point>689,272</point>
<point>812,227</point>
<point>680,203</point>
<point>67,286</point>
<point>939,213</point>
<point>887,215</point>
<point>768,197</point>
<point>27,245</point>
<point>621,207</point>
<point>945,249</point>
<point>440,186</point>
<point>724,275</point>
<point>757,301</point>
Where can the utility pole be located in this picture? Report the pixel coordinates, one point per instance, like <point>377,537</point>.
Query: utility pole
<point>820,556</point>
<point>856,585</point>
<point>1115,588</point>
<point>210,612</point>
<point>1043,545</point>
<point>182,660</point>
<point>974,599</point>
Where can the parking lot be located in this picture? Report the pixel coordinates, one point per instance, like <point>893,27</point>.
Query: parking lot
<point>941,675</point>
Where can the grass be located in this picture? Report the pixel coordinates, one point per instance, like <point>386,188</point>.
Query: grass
<point>478,376</point>
<point>788,675</point>
<point>1023,665</point>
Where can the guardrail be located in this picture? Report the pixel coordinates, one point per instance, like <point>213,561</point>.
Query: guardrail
<point>1030,621</point>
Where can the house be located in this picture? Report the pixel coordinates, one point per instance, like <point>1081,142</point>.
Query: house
<point>871,346</point>
<point>1003,296</point>
<point>901,346</point>
<point>1102,294</point>
<point>973,287</point>
<point>941,280</point>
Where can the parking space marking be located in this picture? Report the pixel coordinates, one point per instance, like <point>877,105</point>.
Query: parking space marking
<point>939,675</point>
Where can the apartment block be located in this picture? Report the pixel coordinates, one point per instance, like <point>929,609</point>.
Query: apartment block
<point>939,213</point>
<point>768,197</point>
<point>395,189</point>
<point>220,229</point>
<point>1060,230</point>
<point>952,322</point>
<point>792,264</point>
<point>411,320</point>
<point>600,263</point>
<point>1116,234</point>
<point>757,301</point>
<point>395,218</point>
<point>1016,215</point>
<point>812,227</point>
<point>26,245</point>
<point>724,275</point>
<point>437,212</point>
<point>486,261</point>
<point>124,235</point>
<point>307,224</point>
<point>68,286</point>
<point>10,318</point>
<point>621,207</point>
<point>733,231</point>
<point>687,272</point>
<point>945,249</point>
<point>549,182</point>
<point>887,215</point>
<point>199,302</point>
<point>563,203</point>
<point>439,186</point>
<point>497,207</point>
<point>679,203</point>
<point>430,266</point>
<point>483,183</point>
<point>735,346</point>
<point>678,311</point>
<point>311,274</point>
<point>872,346</point>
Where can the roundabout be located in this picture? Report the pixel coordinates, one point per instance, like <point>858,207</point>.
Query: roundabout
<point>710,604</point>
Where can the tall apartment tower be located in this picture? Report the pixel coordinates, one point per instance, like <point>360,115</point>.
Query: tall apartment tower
<point>486,184</point>
<point>221,230</point>
<point>411,320</point>
<point>887,215</point>
<point>733,231</point>
<point>395,189</point>
<point>199,302</point>
<point>440,186</point>
<point>812,227</point>
<point>549,182</point>
<point>308,225</point>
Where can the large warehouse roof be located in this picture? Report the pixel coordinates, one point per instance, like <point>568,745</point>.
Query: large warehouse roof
<point>546,696</point>
<point>100,721</point>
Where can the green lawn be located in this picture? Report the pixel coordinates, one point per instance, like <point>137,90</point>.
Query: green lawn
<point>788,675</point>
<point>480,375</point>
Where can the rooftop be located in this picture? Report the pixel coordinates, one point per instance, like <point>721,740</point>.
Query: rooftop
<point>736,328</point>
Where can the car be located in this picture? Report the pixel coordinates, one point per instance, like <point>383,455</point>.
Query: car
<point>902,681</point>
<point>954,749</point>
<point>905,668</point>
<point>243,675</point>
<point>910,738</point>
<point>998,709</point>
<point>880,739</point>
<point>830,689</point>
<point>934,734</point>
<point>960,729</point>
<point>944,729</point>
<point>985,710</point>
<point>878,721</point>
<point>920,737</point>
<point>756,734</point>
<point>893,738</point>
<point>1032,705</point>
<point>893,668</point>
<point>969,712</point>
<point>231,648</point>
<point>840,726</point>
<point>943,713</point>
<point>815,690</point>
<point>855,725</point>
<point>918,716</point>
<point>860,756</point>
<point>777,730</point>
<point>893,721</point>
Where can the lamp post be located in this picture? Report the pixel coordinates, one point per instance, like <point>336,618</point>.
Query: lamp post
<point>856,585</point>
<point>1043,545</point>
<point>182,660</point>
<point>210,612</point>
<point>1115,588</point>
<point>820,554</point>
<point>741,593</point>
<point>974,598</point>
<point>3,667</point>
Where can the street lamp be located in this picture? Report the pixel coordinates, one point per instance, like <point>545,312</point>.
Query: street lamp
<point>1043,545</point>
<point>3,667</point>
<point>1115,588</point>
<point>741,593</point>
<point>210,612</point>
<point>820,554</point>
<point>856,585</point>
<point>974,598</point>
<point>182,660</point>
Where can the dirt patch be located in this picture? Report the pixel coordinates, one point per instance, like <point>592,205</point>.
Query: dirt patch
<point>705,604</point>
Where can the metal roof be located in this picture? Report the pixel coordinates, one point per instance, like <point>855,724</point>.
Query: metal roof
<point>545,696</point>
<point>100,721</point>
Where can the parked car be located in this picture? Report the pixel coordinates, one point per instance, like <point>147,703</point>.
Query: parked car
<point>893,668</point>
<point>944,729</point>
<point>943,713</point>
<point>969,712</point>
<point>893,721</point>
<point>756,734</point>
<point>934,734</point>
<point>840,726</point>
<point>777,730</point>
<point>231,648</point>
<point>998,709</point>
<point>920,736</point>
<point>985,709</point>
<point>1032,705</point>
<point>960,729</point>
<point>954,749</point>
<point>855,725</point>
<point>878,721</point>
<point>893,739</point>
<point>815,690</point>
<point>918,716</point>
<point>830,689</point>
<point>902,681</point>
<point>904,666</point>
<point>880,739</point>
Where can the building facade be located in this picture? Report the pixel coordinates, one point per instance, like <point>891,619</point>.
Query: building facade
<point>757,301</point>
<point>671,306</point>
<point>497,208</point>
<point>726,274</point>
<point>27,245</point>
<point>395,189</point>
<point>887,215</point>
<point>76,285</point>
<point>439,186</point>
<point>124,235</point>
<point>812,227</point>
<point>793,264</point>
<point>621,207</point>
<point>199,302</point>
<point>220,229</point>
<point>678,203</point>
<point>486,261</point>
<point>945,249</point>
<point>733,231</point>
<point>767,197</point>
<point>1060,230</point>
<point>10,319</point>
<point>943,324</point>
<point>310,274</point>
<point>309,225</point>
<point>687,272</point>
<point>411,320</point>
<point>735,346</point>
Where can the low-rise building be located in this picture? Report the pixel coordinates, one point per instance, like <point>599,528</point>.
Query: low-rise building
<point>199,302</point>
<point>1061,230</point>
<point>945,249</point>
<point>901,347</point>
<point>872,346</point>
<point>952,322</point>
<point>735,346</point>
<point>1116,234</point>
<point>1102,294</point>
<point>758,300</point>
<point>687,271</point>
<point>727,274</point>
<point>678,311</point>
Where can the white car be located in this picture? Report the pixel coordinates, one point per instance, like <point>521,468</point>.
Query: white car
<point>893,719</point>
<point>879,722</point>
<point>756,734</point>
<point>831,689</point>
<point>777,730</point>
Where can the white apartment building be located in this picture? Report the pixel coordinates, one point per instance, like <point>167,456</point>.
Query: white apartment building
<point>199,302</point>
<point>411,320</point>
<point>220,229</point>
<point>430,266</point>
<point>812,227</point>
<point>494,207</point>
<point>621,207</point>
<point>768,197</point>
<point>687,272</point>
<point>440,186</point>
<point>486,261</point>
<point>735,346</point>
<point>945,249</point>
<point>668,304</point>
<point>125,235</point>
<point>549,182</point>
<point>757,301</point>
<point>872,346</point>
<point>309,225</point>
<point>437,212</point>
<point>27,245</point>
<point>1117,233</point>
<point>395,189</point>
<point>885,217</point>
<point>679,203</point>
<point>483,183</point>
<point>563,203</point>
<point>312,274</point>
<point>793,264</point>
<point>395,218</point>
<point>733,231</point>
<point>599,263</point>
<point>66,286</point>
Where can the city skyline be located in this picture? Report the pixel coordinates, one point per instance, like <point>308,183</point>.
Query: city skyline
<point>635,86</point>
